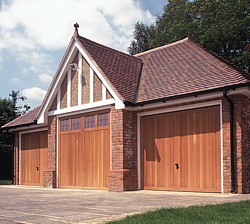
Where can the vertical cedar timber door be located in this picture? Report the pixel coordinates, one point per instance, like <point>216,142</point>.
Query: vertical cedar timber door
<point>34,157</point>
<point>84,151</point>
<point>181,150</point>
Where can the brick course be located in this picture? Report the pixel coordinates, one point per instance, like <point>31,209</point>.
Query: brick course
<point>74,85</point>
<point>246,147</point>
<point>49,175</point>
<point>49,179</point>
<point>85,82</point>
<point>123,173</point>
<point>64,90</point>
<point>97,89</point>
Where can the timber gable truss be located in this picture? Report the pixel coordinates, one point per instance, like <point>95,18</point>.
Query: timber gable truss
<point>80,88</point>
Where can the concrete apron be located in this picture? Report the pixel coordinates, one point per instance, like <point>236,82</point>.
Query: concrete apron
<point>21,204</point>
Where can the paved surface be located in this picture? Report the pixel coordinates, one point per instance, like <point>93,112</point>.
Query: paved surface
<point>53,206</point>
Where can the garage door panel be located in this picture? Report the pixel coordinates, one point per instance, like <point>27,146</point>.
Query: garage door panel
<point>189,139</point>
<point>34,154</point>
<point>43,153</point>
<point>88,162</point>
<point>63,160</point>
<point>158,151</point>
<point>105,157</point>
<point>150,153</point>
<point>96,148</point>
<point>89,159</point>
<point>199,161</point>
<point>69,150</point>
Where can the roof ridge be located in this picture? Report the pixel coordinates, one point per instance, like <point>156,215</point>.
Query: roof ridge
<point>109,48</point>
<point>163,47</point>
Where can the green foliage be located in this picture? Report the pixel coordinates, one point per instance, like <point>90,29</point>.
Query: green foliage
<point>220,26</point>
<point>10,110</point>
<point>17,110</point>
<point>142,35</point>
<point>237,212</point>
<point>5,182</point>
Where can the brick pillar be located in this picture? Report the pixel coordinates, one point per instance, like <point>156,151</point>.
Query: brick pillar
<point>246,147</point>
<point>49,176</point>
<point>238,101</point>
<point>226,147</point>
<point>242,142</point>
<point>241,146</point>
<point>130,161</point>
<point>123,173</point>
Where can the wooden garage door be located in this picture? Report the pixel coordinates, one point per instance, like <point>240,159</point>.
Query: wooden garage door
<point>34,157</point>
<point>84,151</point>
<point>181,151</point>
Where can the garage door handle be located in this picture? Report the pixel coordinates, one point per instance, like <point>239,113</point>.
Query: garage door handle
<point>176,166</point>
<point>37,168</point>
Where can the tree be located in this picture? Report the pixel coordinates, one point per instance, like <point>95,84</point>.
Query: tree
<point>221,26</point>
<point>224,28</point>
<point>17,110</point>
<point>9,110</point>
<point>142,35</point>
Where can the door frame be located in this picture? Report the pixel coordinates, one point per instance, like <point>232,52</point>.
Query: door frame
<point>20,149</point>
<point>175,109</point>
<point>81,113</point>
<point>73,113</point>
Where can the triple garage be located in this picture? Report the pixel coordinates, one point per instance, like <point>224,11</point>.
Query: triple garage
<point>179,151</point>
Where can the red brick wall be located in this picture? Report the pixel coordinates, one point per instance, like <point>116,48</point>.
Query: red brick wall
<point>242,142</point>
<point>130,150</point>
<point>226,147</point>
<point>49,179</point>
<point>49,175</point>
<point>123,173</point>
<point>246,147</point>
<point>64,90</point>
<point>241,146</point>
<point>74,84</point>
<point>238,106</point>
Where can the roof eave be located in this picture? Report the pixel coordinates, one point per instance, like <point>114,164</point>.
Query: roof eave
<point>50,89</point>
<point>194,94</point>
<point>20,125</point>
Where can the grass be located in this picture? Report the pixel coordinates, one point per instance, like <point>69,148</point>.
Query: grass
<point>236,212</point>
<point>5,182</point>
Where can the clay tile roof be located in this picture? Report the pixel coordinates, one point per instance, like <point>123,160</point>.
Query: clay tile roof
<point>184,67</point>
<point>122,71</point>
<point>27,118</point>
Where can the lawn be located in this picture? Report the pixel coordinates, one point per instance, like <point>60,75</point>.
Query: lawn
<point>237,212</point>
<point>5,182</point>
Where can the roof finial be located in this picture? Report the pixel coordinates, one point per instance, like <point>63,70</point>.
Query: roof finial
<point>76,25</point>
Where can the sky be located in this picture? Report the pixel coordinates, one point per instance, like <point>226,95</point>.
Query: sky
<point>35,33</point>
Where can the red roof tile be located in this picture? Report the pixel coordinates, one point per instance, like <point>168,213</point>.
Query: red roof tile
<point>184,67</point>
<point>122,71</point>
<point>172,70</point>
<point>27,118</point>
